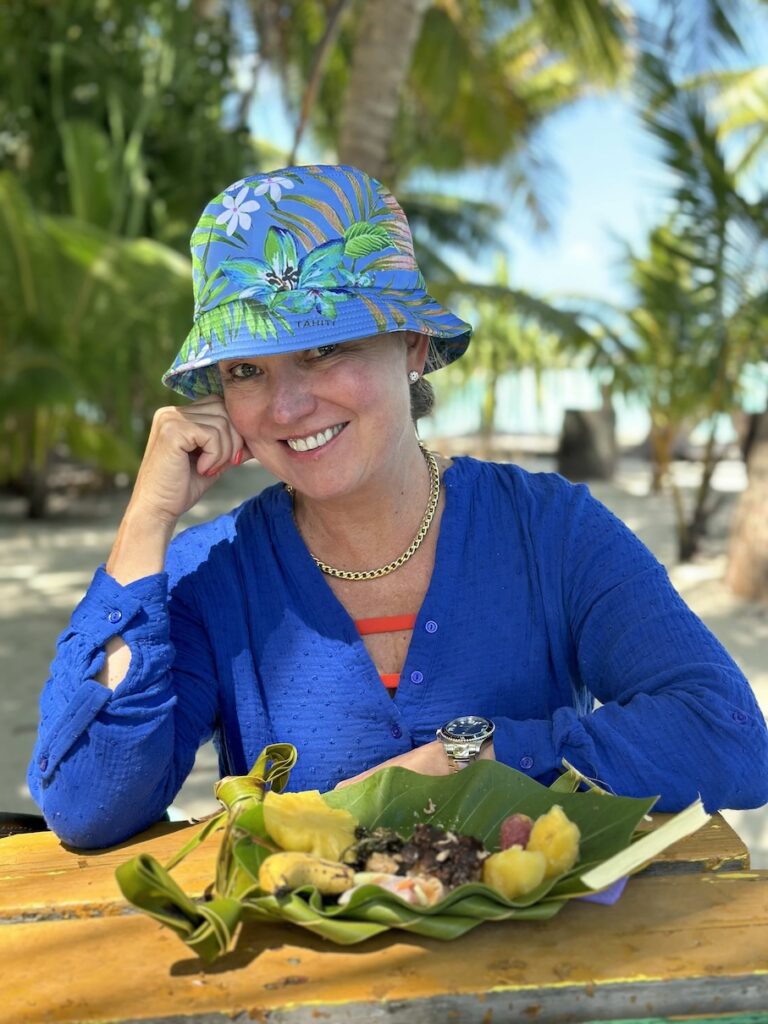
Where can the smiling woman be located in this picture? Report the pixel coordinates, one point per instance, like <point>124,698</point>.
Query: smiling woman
<point>381,605</point>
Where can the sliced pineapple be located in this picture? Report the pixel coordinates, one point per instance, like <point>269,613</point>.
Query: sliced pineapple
<point>304,822</point>
<point>557,837</point>
<point>514,872</point>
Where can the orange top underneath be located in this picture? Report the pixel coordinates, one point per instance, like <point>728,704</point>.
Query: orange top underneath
<point>386,624</point>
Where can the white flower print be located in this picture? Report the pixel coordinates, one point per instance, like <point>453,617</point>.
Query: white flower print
<point>235,186</point>
<point>274,186</point>
<point>237,212</point>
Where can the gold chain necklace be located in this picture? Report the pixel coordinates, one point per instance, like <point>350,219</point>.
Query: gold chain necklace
<point>413,547</point>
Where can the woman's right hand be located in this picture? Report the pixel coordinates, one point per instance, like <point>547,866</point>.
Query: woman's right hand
<point>187,450</point>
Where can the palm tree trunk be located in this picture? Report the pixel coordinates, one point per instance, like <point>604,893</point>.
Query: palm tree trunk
<point>319,61</point>
<point>488,408</point>
<point>381,61</point>
<point>660,438</point>
<point>747,572</point>
<point>36,470</point>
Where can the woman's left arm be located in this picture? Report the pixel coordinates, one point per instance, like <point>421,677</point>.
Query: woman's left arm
<point>677,716</point>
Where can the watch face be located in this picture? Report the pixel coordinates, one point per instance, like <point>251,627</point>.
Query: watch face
<point>470,727</point>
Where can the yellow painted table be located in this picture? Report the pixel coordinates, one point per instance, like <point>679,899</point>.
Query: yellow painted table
<point>690,939</point>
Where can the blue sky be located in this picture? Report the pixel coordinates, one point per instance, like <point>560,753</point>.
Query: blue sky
<point>609,186</point>
<point>609,191</point>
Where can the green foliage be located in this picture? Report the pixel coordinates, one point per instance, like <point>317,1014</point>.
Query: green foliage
<point>701,311</point>
<point>115,111</point>
<point>114,123</point>
<point>515,330</point>
<point>89,322</point>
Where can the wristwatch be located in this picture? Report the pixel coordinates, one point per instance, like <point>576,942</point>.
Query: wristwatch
<point>463,739</point>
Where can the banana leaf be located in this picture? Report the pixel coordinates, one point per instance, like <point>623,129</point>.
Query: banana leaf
<point>474,801</point>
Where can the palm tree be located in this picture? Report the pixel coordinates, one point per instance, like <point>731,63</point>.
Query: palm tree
<point>701,299</point>
<point>428,84</point>
<point>514,330</point>
<point>88,323</point>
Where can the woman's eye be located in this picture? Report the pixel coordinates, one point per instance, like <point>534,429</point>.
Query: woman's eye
<point>243,371</point>
<point>321,351</point>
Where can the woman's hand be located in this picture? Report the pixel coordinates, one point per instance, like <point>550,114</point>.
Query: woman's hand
<point>427,760</point>
<point>188,448</point>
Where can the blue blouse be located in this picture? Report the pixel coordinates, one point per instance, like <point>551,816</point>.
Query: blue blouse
<point>541,604</point>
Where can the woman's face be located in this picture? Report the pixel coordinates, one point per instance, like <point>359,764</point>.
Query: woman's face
<point>330,419</point>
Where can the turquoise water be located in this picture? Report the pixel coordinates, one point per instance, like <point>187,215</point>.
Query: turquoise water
<point>526,406</point>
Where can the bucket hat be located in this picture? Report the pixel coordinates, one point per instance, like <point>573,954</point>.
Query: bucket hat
<point>302,257</point>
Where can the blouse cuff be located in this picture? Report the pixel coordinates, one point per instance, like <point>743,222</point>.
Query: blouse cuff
<point>108,607</point>
<point>68,725</point>
<point>527,746</point>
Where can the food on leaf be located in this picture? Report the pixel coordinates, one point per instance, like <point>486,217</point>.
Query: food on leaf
<point>515,831</point>
<point>515,872</point>
<point>417,890</point>
<point>376,850</point>
<point>304,822</point>
<point>452,858</point>
<point>557,837</point>
<point>283,872</point>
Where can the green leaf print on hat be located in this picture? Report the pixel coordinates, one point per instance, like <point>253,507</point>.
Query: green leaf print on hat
<point>301,257</point>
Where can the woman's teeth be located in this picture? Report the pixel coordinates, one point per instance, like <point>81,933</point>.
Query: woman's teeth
<point>307,444</point>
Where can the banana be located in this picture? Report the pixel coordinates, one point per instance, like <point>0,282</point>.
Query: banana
<point>285,871</point>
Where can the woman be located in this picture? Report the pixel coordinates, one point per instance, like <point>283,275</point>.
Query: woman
<point>509,601</point>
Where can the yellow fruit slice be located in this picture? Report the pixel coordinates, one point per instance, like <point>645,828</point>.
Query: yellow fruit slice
<point>304,822</point>
<point>557,837</point>
<point>514,872</point>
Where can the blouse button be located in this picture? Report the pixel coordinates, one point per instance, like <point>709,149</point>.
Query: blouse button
<point>431,626</point>
<point>417,677</point>
<point>114,616</point>
<point>397,732</point>
<point>526,762</point>
<point>739,716</point>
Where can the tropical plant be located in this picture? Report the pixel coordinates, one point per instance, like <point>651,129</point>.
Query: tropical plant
<point>514,330</point>
<point>436,85</point>
<point>701,301</point>
<point>114,123</point>
<point>116,112</point>
<point>86,321</point>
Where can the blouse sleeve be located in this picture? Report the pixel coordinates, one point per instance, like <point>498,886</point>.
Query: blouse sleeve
<point>107,763</point>
<point>676,717</point>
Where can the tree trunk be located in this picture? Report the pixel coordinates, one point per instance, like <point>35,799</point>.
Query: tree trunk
<point>388,32</point>
<point>660,439</point>
<point>747,572</point>
<point>587,448</point>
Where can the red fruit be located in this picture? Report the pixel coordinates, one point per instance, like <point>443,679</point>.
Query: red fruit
<point>515,831</point>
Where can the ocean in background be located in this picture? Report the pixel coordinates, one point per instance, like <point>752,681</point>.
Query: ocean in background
<point>527,405</point>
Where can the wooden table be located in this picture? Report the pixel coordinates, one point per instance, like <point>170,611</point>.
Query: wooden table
<point>689,936</point>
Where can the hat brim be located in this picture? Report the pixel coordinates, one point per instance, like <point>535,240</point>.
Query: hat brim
<point>247,328</point>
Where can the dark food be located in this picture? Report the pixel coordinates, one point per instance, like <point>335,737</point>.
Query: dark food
<point>453,858</point>
<point>432,852</point>
<point>373,846</point>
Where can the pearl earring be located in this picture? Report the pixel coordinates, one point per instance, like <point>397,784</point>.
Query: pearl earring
<point>413,376</point>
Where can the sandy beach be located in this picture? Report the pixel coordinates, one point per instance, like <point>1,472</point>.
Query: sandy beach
<point>46,566</point>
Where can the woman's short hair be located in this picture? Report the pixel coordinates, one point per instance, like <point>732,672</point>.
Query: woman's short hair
<point>422,392</point>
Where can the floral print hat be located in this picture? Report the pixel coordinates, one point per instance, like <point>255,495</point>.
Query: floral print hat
<point>301,257</point>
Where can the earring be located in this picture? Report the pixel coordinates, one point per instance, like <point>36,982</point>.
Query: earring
<point>413,376</point>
